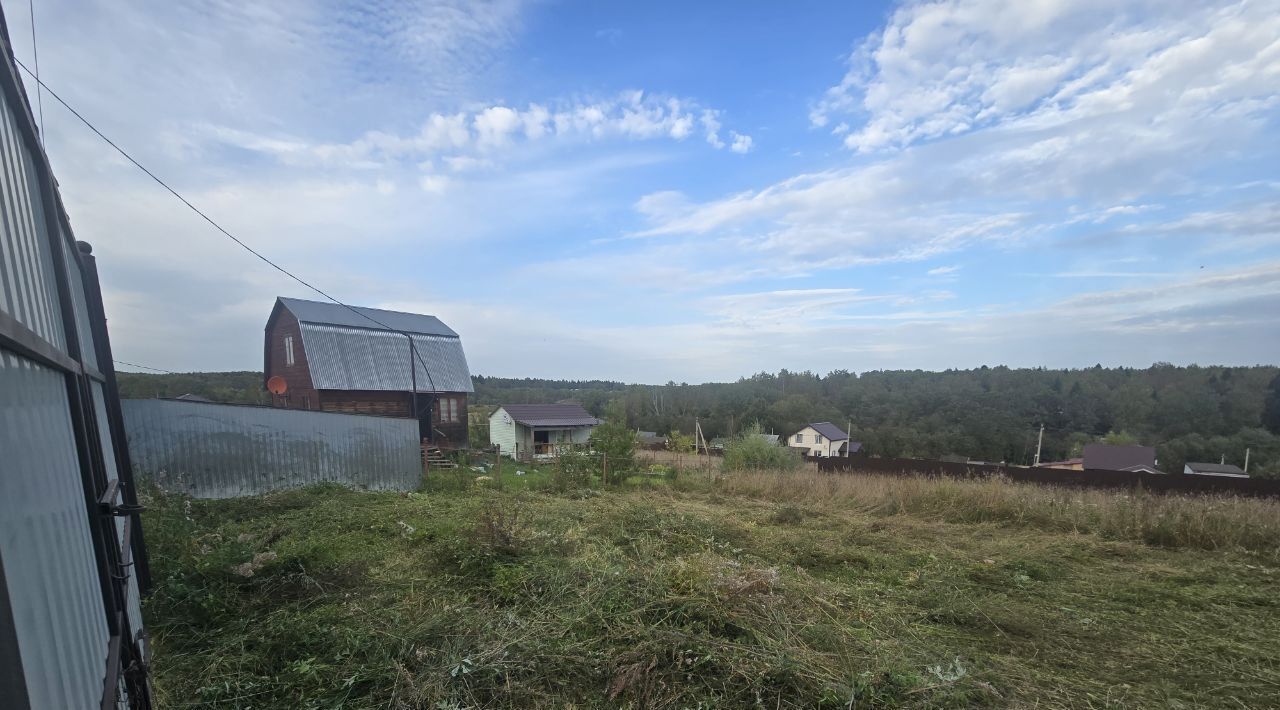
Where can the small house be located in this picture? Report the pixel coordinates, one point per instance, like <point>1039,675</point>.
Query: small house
<point>527,431</point>
<point>823,439</point>
<point>332,358</point>
<point>1214,469</point>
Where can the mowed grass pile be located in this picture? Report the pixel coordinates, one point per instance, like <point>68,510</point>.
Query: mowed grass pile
<point>761,590</point>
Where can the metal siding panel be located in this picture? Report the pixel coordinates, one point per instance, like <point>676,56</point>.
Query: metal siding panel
<point>27,286</point>
<point>74,276</point>
<point>45,541</point>
<point>222,451</point>
<point>342,358</point>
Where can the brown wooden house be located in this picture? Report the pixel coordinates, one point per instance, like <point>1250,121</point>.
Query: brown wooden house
<point>369,361</point>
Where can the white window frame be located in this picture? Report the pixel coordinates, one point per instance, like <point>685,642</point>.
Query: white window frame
<point>288,350</point>
<point>799,438</point>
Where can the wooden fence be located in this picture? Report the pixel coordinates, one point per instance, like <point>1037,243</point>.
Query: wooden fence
<point>1091,478</point>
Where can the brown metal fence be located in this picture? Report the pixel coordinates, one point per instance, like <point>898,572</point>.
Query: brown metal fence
<point>1091,478</point>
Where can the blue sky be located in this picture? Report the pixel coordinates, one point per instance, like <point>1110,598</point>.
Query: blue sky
<point>688,192</point>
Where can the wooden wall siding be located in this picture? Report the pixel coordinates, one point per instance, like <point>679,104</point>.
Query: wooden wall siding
<point>386,404</point>
<point>301,394</point>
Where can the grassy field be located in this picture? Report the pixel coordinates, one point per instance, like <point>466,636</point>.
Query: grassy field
<point>760,590</point>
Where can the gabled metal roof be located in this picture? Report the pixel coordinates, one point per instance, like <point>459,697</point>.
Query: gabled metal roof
<point>829,430</point>
<point>353,358</point>
<point>1119,457</point>
<point>1214,468</point>
<point>334,314</point>
<point>550,415</point>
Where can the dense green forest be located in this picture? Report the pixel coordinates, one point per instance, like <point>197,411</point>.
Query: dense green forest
<point>991,414</point>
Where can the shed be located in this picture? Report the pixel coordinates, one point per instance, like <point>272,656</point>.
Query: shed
<point>525,431</point>
<point>369,361</point>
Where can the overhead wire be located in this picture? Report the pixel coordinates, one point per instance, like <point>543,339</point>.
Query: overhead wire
<point>144,367</point>
<point>35,54</point>
<point>219,227</point>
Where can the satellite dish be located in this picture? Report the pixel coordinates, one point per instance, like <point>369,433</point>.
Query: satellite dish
<point>277,385</point>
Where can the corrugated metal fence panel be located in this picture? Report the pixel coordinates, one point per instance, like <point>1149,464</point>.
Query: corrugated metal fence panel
<point>133,604</point>
<point>45,542</point>
<point>78,302</point>
<point>221,451</point>
<point>343,358</point>
<point>28,291</point>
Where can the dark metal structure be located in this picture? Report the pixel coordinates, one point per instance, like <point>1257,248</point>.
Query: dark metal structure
<point>72,559</point>
<point>1089,478</point>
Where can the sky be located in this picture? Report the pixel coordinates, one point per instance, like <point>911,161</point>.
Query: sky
<point>685,192</point>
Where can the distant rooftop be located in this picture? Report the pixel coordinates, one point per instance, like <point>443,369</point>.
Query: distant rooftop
<point>550,415</point>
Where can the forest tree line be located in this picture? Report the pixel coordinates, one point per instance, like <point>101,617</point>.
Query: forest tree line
<point>990,413</point>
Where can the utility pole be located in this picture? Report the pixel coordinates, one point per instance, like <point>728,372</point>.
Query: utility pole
<point>1246,460</point>
<point>848,441</point>
<point>1039,441</point>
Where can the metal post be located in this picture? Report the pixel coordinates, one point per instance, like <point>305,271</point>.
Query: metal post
<point>1039,441</point>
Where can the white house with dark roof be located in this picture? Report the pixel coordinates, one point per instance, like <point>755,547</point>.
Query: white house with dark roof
<point>823,439</point>
<point>526,431</point>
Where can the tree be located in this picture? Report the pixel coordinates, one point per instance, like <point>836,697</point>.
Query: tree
<point>615,439</point>
<point>752,452</point>
<point>1119,438</point>
<point>1271,407</point>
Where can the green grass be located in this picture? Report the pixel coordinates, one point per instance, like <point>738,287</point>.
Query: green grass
<point>758,591</point>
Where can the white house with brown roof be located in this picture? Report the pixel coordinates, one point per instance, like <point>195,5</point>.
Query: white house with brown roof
<point>823,439</point>
<point>527,431</point>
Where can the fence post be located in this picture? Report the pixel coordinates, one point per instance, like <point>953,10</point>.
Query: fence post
<point>604,462</point>
<point>497,463</point>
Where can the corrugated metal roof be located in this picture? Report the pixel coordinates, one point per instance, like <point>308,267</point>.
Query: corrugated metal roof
<point>1214,468</point>
<point>829,430</point>
<point>550,415</point>
<point>334,314</point>
<point>349,358</point>
<point>1116,457</point>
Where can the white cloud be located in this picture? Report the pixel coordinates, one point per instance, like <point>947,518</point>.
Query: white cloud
<point>711,125</point>
<point>943,270</point>
<point>434,184</point>
<point>631,115</point>
<point>494,126</point>
<point>950,67</point>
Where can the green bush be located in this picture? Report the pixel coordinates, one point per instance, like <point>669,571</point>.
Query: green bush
<point>615,440</point>
<point>752,452</point>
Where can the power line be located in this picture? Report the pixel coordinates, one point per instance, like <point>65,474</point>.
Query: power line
<point>35,53</point>
<point>220,228</point>
<point>144,367</point>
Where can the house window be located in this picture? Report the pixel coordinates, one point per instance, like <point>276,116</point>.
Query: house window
<point>799,438</point>
<point>819,438</point>
<point>447,410</point>
<point>288,349</point>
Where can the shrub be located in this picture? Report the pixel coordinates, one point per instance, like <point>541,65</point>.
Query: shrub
<point>752,452</point>
<point>616,441</point>
<point>574,469</point>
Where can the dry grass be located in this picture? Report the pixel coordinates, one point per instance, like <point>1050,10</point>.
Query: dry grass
<point>1204,522</point>
<point>766,590</point>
